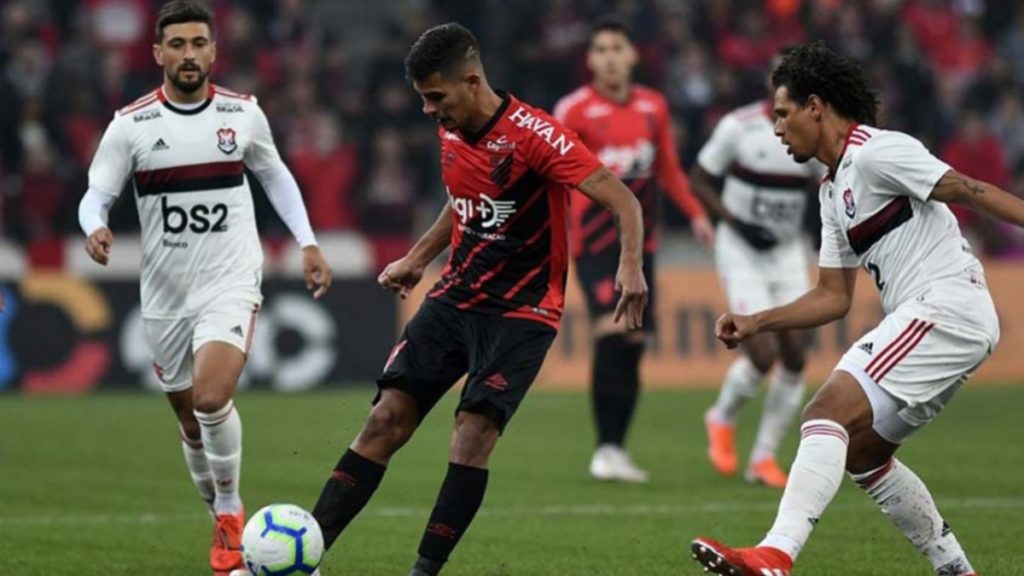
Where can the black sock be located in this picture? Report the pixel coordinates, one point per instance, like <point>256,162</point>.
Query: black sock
<point>457,503</point>
<point>615,386</point>
<point>349,488</point>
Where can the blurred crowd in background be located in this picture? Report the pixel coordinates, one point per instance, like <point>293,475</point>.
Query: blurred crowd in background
<point>329,74</point>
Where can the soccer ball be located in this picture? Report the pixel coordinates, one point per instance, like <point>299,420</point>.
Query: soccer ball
<point>281,540</point>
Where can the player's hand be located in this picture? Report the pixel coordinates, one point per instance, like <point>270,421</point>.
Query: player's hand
<point>630,283</point>
<point>757,236</point>
<point>1,301</point>
<point>401,276</point>
<point>98,245</point>
<point>316,271</point>
<point>735,328</point>
<point>704,231</point>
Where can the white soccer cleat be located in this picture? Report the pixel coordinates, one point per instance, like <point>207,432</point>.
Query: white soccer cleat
<point>612,463</point>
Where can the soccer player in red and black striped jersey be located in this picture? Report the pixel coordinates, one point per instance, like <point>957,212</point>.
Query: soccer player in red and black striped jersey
<point>629,128</point>
<point>508,169</point>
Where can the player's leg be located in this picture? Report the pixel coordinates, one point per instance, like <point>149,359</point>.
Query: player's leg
<point>839,409</point>
<point>507,356</point>
<point>192,445</point>
<point>747,292</point>
<point>615,367</point>
<point>171,345</point>
<point>358,473</point>
<point>462,492</point>
<point>427,360</point>
<point>781,405</point>
<point>221,341</point>
<point>215,375</point>
<point>740,385</point>
<point>900,493</point>
<point>906,501</point>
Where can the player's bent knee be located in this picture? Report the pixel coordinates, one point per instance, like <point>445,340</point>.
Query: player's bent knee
<point>190,428</point>
<point>868,451</point>
<point>211,399</point>
<point>476,434</point>
<point>388,427</point>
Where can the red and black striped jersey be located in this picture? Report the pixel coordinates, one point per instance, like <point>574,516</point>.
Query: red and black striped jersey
<point>508,190</point>
<point>634,140</point>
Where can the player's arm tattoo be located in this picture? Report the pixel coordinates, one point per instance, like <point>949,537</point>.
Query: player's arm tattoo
<point>955,187</point>
<point>593,184</point>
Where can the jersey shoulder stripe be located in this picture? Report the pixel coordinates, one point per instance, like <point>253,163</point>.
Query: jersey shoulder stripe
<point>139,103</point>
<point>751,112</point>
<point>859,136</point>
<point>232,94</point>
<point>570,101</point>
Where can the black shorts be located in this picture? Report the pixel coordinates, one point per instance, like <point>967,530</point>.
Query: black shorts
<point>596,274</point>
<point>440,344</point>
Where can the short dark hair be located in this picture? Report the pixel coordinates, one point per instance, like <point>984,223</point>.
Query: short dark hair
<point>813,69</point>
<point>609,24</point>
<point>443,48</point>
<point>179,12</point>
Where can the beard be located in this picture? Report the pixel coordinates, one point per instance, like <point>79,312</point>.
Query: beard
<point>188,86</point>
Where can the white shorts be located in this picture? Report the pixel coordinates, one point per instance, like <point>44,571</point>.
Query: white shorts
<point>913,363</point>
<point>755,280</point>
<point>230,318</point>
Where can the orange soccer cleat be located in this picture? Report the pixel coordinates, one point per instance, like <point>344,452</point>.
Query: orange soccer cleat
<point>760,561</point>
<point>721,445</point>
<point>226,551</point>
<point>766,471</point>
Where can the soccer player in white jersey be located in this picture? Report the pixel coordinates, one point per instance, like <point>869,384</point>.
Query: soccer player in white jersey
<point>883,208</point>
<point>185,146</point>
<point>762,262</point>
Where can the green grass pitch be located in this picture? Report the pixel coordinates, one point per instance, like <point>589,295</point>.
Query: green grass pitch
<point>96,486</point>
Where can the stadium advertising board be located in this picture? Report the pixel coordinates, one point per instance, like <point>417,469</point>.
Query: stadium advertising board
<point>62,334</point>
<point>685,352</point>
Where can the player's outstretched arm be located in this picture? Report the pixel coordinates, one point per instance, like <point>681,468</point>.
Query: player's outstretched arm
<point>829,300</point>
<point>679,189</point>
<point>955,187</point>
<point>402,275</point>
<point>604,188</point>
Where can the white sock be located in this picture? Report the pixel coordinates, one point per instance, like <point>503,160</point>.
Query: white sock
<point>905,500</point>
<point>222,440</point>
<point>781,404</point>
<point>198,467</point>
<point>740,385</point>
<point>814,479</point>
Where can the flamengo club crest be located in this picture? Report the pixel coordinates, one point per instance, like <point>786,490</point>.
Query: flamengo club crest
<point>226,140</point>
<point>851,208</point>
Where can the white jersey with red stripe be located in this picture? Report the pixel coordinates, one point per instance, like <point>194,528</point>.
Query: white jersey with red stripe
<point>763,184</point>
<point>187,165</point>
<point>876,213</point>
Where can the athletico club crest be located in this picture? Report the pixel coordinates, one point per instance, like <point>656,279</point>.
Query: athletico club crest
<point>226,140</point>
<point>851,208</point>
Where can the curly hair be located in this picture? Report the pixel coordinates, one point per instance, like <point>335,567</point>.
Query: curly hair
<point>443,48</point>
<point>179,12</point>
<point>813,69</point>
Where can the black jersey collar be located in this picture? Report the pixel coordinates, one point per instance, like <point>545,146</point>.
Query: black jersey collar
<point>186,111</point>
<point>472,138</point>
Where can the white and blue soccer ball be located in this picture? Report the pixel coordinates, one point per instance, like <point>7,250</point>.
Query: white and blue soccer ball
<point>282,540</point>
